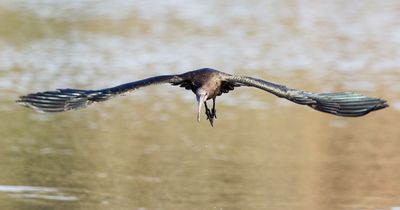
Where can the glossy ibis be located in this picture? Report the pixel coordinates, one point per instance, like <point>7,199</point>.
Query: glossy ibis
<point>207,84</point>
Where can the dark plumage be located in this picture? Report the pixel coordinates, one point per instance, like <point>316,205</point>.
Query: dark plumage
<point>207,84</point>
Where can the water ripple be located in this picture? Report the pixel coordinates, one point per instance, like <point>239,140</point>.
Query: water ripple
<point>20,189</point>
<point>36,192</point>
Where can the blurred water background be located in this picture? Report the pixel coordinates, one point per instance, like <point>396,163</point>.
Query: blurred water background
<point>146,151</point>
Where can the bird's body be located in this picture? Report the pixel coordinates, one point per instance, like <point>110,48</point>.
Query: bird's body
<point>207,84</point>
<point>209,79</point>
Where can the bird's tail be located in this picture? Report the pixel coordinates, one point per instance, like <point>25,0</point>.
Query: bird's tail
<point>345,104</point>
<point>63,99</point>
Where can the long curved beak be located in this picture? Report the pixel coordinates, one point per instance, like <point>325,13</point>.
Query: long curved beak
<point>200,101</point>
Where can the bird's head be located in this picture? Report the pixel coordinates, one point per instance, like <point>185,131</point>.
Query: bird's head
<point>201,96</point>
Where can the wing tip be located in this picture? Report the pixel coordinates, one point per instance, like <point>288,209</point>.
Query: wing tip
<point>361,110</point>
<point>382,105</point>
<point>346,104</point>
<point>22,102</point>
<point>59,100</point>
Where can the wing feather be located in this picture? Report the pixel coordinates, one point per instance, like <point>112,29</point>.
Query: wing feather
<point>69,99</point>
<point>345,104</point>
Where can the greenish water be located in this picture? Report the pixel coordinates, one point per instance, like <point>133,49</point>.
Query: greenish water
<point>146,150</point>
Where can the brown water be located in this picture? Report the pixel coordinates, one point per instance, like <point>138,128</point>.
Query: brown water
<point>146,150</point>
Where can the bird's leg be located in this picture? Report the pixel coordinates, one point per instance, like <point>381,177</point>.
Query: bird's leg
<point>213,110</point>
<point>208,112</point>
<point>210,116</point>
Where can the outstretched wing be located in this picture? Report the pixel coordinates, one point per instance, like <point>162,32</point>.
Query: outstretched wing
<point>68,99</point>
<point>345,104</point>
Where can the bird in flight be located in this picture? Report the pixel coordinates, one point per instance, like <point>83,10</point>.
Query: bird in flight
<point>206,84</point>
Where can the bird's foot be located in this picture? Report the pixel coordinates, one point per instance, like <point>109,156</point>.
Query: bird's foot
<point>214,113</point>
<point>208,114</point>
<point>211,116</point>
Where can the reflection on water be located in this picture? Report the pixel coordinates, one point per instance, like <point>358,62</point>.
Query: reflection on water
<point>16,189</point>
<point>46,193</point>
<point>147,151</point>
